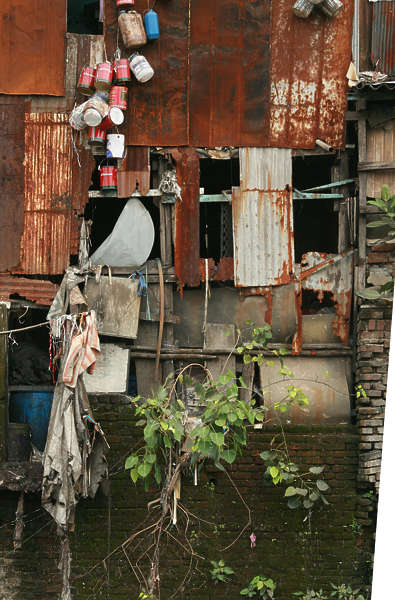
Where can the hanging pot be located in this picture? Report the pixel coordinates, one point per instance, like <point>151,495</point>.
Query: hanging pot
<point>86,81</point>
<point>95,110</point>
<point>76,119</point>
<point>97,135</point>
<point>104,74</point>
<point>303,8</point>
<point>119,97</point>
<point>331,7</point>
<point>115,145</point>
<point>132,29</point>
<point>122,71</point>
<point>141,68</point>
<point>108,178</point>
<point>114,118</point>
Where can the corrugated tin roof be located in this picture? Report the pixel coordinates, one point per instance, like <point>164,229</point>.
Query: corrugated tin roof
<point>36,290</point>
<point>383,36</point>
<point>262,218</point>
<point>32,47</point>
<point>46,240</point>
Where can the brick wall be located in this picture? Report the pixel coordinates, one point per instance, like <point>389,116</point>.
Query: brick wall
<point>296,551</point>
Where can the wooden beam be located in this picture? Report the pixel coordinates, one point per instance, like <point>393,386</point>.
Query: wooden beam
<point>3,381</point>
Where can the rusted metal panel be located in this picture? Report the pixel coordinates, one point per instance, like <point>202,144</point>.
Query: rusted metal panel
<point>36,290</point>
<point>157,113</point>
<point>187,218</point>
<point>223,271</point>
<point>12,112</point>
<point>230,64</point>
<point>262,218</point>
<point>46,239</point>
<point>134,174</point>
<point>383,36</point>
<point>309,59</point>
<point>81,50</point>
<point>32,47</point>
<point>332,273</point>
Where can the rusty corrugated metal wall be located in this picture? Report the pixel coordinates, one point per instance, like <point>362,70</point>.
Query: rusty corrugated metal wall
<point>262,218</point>
<point>383,36</point>
<point>240,73</point>
<point>12,112</point>
<point>32,46</point>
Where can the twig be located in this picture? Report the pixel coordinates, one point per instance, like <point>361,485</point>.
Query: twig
<point>247,508</point>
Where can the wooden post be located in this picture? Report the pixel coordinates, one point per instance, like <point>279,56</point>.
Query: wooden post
<point>3,382</point>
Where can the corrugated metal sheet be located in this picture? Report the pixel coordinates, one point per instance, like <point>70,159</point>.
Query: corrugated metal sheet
<point>240,74</point>
<point>230,64</point>
<point>187,218</point>
<point>157,113</point>
<point>262,218</point>
<point>380,147</point>
<point>46,240</point>
<point>32,47</point>
<point>332,273</point>
<point>383,36</point>
<point>309,60</point>
<point>36,290</point>
<point>12,113</point>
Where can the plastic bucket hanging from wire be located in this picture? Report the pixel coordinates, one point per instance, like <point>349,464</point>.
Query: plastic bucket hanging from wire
<point>115,145</point>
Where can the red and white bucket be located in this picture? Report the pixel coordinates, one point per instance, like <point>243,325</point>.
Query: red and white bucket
<point>119,97</point>
<point>108,178</point>
<point>124,3</point>
<point>104,75</point>
<point>122,72</point>
<point>115,145</point>
<point>114,118</point>
<point>86,81</point>
<point>97,135</point>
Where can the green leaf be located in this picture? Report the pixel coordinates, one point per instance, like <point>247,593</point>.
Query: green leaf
<point>375,224</point>
<point>166,441</point>
<point>229,455</point>
<point>131,461</point>
<point>385,193</point>
<point>157,474</point>
<point>322,485</point>
<point>150,458</point>
<point>294,502</point>
<point>217,438</point>
<point>290,491</point>
<point>307,503</point>
<point>301,491</point>
<point>220,422</point>
<point>314,496</point>
<point>134,475</point>
<point>316,470</point>
<point>144,469</point>
<point>369,294</point>
<point>242,382</point>
<point>273,472</point>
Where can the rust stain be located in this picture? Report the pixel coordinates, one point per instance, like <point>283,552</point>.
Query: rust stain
<point>36,290</point>
<point>187,211</point>
<point>223,271</point>
<point>297,340</point>
<point>46,239</point>
<point>12,113</point>
<point>32,47</point>
<point>135,172</point>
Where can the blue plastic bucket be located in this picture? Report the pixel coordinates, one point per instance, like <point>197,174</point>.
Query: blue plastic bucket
<point>34,408</point>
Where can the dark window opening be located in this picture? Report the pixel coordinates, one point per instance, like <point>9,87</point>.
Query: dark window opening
<point>83,17</point>
<point>132,380</point>
<point>315,221</point>
<point>218,175</point>
<point>314,303</point>
<point>216,236</point>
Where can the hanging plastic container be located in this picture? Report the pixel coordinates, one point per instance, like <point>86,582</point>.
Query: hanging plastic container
<point>303,8</point>
<point>141,68</point>
<point>76,119</point>
<point>124,3</point>
<point>95,110</point>
<point>119,97</point>
<point>86,81</point>
<point>108,178</point>
<point>122,71</point>
<point>104,75</point>
<point>132,29</point>
<point>331,7</point>
<point>114,118</point>
<point>97,135</point>
<point>151,24</point>
<point>115,145</point>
